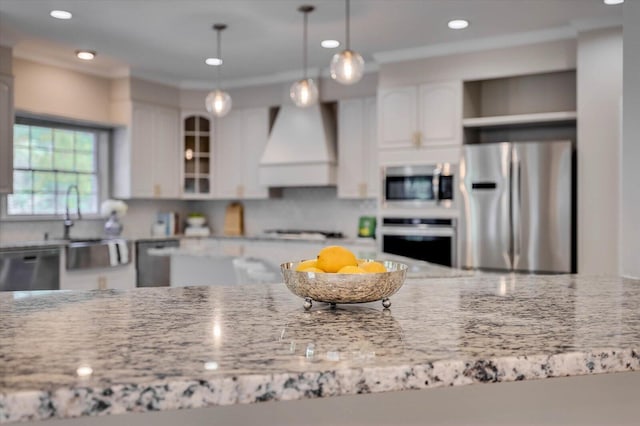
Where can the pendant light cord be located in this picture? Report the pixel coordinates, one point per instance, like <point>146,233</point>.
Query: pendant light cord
<point>304,46</point>
<point>220,58</point>
<point>348,39</point>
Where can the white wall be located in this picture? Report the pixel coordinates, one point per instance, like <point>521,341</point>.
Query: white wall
<point>599,118</point>
<point>630,200</point>
<point>48,90</point>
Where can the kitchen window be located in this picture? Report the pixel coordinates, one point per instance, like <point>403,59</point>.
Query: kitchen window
<point>48,158</point>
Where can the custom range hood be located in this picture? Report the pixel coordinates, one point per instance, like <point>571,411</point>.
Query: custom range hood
<point>301,150</point>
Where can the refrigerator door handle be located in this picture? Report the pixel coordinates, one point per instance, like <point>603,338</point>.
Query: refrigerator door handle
<point>516,204</point>
<point>436,184</point>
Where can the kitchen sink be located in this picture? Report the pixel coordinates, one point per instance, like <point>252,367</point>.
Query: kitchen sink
<point>91,253</point>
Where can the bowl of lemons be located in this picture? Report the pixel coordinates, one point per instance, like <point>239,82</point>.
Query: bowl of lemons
<point>338,276</point>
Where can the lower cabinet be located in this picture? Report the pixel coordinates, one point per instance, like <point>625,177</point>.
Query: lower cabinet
<point>119,277</point>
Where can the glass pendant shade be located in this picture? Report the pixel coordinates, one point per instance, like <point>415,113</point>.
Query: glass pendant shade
<point>347,67</point>
<point>218,103</point>
<point>304,92</point>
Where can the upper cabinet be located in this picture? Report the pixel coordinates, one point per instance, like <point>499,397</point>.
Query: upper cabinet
<point>196,155</point>
<point>358,175</point>
<point>241,137</point>
<point>423,116</point>
<point>6,134</point>
<point>146,153</point>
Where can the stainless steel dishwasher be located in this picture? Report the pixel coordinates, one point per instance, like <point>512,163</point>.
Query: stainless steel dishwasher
<point>153,271</point>
<point>29,269</point>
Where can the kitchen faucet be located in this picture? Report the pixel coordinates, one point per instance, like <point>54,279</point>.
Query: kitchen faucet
<point>68,223</point>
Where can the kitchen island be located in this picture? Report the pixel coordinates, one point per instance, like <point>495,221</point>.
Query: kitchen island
<point>233,261</point>
<point>70,354</point>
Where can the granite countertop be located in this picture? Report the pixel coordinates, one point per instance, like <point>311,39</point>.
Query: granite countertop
<point>19,245</point>
<point>69,354</point>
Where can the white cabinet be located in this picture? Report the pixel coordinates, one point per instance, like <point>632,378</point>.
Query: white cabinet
<point>241,137</point>
<point>6,134</point>
<point>196,156</point>
<point>440,114</point>
<point>358,175</point>
<point>398,110</point>
<point>146,154</point>
<point>424,116</point>
<point>119,277</point>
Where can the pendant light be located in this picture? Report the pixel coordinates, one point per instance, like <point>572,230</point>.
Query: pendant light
<point>347,66</point>
<point>218,102</point>
<point>304,92</point>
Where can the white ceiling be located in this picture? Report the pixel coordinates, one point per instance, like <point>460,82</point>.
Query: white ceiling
<point>168,40</point>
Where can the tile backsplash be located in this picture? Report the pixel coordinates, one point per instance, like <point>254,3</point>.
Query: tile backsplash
<point>313,208</point>
<point>298,208</point>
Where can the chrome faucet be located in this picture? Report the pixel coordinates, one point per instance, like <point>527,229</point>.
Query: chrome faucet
<point>68,223</point>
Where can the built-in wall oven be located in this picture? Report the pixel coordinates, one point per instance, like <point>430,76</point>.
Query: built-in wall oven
<point>418,186</point>
<point>417,214</point>
<point>429,239</point>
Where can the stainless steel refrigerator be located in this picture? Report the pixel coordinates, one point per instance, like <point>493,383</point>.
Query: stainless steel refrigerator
<point>517,207</point>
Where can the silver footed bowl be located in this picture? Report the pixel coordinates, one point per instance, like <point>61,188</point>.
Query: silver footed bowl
<point>345,288</point>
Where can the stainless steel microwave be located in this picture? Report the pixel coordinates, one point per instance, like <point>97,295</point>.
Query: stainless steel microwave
<point>419,186</point>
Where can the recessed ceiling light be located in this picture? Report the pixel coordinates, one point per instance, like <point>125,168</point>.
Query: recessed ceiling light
<point>458,24</point>
<point>85,55</point>
<point>60,14</point>
<point>329,44</point>
<point>213,61</point>
<point>613,2</point>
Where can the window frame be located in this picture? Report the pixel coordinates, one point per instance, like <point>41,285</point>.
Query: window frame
<point>103,138</point>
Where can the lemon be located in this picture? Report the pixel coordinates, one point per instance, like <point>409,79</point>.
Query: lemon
<point>350,269</point>
<point>373,267</point>
<point>312,263</point>
<point>361,261</point>
<point>312,269</point>
<point>333,258</point>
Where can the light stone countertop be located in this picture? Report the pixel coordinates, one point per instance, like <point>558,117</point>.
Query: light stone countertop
<point>20,245</point>
<point>84,353</point>
<point>258,237</point>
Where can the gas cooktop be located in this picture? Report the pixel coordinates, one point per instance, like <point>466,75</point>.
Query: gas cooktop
<point>301,234</point>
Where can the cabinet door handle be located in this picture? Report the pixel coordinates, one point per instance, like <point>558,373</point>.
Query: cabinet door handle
<point>362,189</point>
<point>240,191</point>
<point>102,283</point>
<point>417,139</point>
<point>157,191</point>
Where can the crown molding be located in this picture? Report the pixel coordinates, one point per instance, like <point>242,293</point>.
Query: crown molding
<point>282,77</point>
<point>112,73</point>
<point>443,49</point>
<point>369,67</point>
<point>468,46</point>
<point>583,25</point>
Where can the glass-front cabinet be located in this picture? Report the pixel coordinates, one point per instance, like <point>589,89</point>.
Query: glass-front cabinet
<point>197,134</point>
